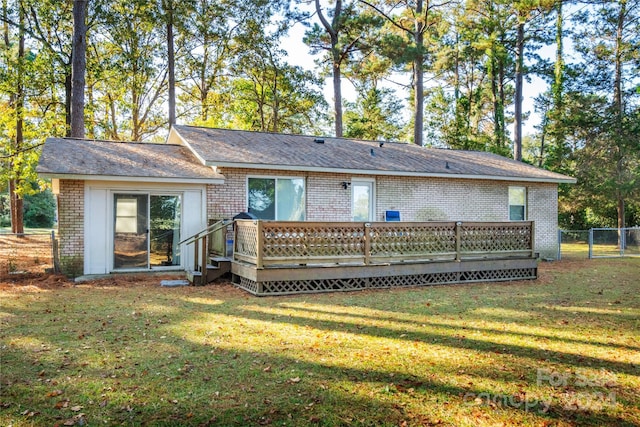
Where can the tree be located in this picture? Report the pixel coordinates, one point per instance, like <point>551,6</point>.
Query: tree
<point>24,115</point>
<point>375,116</point>
<point>15,178</point>
<point>342,37</point>
<point>205,40</point>
<point>611,137</point>
<point>525,12</point>
<point>134,79</point>
<point>415,25</point>
<point>377,112</point>
<point>272,96</point>
<point>78,67</point>
<point>39,209</point>
<point>458,110</point>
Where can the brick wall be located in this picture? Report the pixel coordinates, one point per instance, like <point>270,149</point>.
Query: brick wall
<point>417,199</point>
<point>542,207</point>
<point>432,199</point>
<point>71,226</point>
<point>326,199</point>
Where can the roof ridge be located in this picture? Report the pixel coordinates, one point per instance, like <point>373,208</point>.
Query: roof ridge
<point>373,141</point>
<point>111,141</point>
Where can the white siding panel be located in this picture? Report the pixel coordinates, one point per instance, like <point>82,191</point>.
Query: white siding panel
<point>193,221</point>
<point>96,241</point>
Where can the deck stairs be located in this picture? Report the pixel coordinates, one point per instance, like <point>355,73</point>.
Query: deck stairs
<point>210,247</point>
<point>215,269</point>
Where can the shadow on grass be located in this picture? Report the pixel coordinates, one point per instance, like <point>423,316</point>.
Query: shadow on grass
<point>129,364</point>
<point>400,318</point>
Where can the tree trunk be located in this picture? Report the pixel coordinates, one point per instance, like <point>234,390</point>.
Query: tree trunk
<point>418,77</point>
<point>171,64</point>
<point>559,65</point>
<point>78,67</point>
<point>16,202</point>
<point>493,77</point>
<point>67,101</point>
<point>556,111</point>
<point>336,58</point>
<point>114,122</point>
<point>617,94</point>
<point>517,131</point>
<point>337,98</point>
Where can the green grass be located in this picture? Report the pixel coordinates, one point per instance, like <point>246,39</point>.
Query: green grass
<point>574,250</point>
<point>580,250</point>
<point>562,350</point>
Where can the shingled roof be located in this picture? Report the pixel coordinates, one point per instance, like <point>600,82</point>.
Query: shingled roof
<point>100,160</point>
<point>263,150</point>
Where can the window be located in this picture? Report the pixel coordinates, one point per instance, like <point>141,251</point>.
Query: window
<point>282,199</point>
<point>517,203</point>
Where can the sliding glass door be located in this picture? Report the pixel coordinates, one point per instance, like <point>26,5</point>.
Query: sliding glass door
<point>146,231</point>
<point>131,231</point>
<point>164,230</point>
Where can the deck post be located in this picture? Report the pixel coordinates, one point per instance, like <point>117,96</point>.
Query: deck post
<point>458,241</point>
<point>532,239</point>
<point>196,256</point>
<point>204,255</point>
<point>259,244</point>
<point>367,243</point>
<point>235,239</point>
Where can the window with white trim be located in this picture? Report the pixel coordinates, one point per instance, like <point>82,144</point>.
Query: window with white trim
<point>281,199</point>
<point>517,203</point>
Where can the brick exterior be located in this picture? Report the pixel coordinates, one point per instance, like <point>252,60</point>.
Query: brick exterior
<point>71,225</point>
<point>417,199</point>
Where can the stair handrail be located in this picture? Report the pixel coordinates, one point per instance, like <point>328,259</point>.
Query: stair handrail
<point>201,254</point>
<point>206,231</point>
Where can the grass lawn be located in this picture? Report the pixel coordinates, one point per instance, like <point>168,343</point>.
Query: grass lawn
<point>563,350</point>
<point>580,250</point>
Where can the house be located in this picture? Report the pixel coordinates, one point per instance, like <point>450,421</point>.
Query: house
<point>127,206</point>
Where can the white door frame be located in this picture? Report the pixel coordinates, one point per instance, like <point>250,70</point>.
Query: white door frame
<point>370,183</point>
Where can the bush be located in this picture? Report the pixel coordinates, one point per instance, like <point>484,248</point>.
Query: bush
<point>5,213</point>
<point>39,210</point>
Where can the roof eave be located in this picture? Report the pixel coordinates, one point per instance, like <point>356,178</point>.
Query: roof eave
<point>171,180</point>
<point>290,168</point>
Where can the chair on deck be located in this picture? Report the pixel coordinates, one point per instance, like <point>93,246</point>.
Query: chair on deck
<point>391,216</point>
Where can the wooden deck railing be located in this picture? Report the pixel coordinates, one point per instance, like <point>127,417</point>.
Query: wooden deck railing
<point>211,240</point>
<point>272,243</point>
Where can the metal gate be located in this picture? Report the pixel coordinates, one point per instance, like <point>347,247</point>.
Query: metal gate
<point>599,243</point>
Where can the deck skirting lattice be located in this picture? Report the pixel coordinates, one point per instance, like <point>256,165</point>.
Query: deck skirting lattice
<point>286,287</point>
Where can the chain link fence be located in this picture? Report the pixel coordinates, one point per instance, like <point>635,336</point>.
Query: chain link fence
<point>573,244</point>
<point>27,253</point>
<point>599,243</point>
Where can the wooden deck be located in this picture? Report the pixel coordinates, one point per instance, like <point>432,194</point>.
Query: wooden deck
<point>278,258</point>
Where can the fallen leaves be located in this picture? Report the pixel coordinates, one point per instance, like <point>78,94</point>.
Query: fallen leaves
<point>54,393</point>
